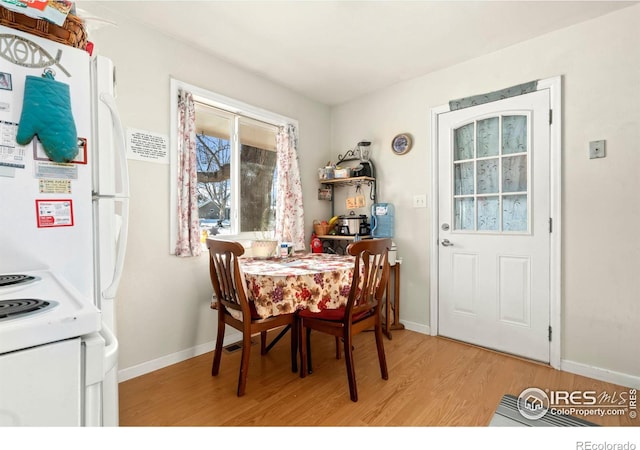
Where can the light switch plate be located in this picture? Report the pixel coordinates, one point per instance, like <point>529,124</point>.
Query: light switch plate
<point>420,201</point>
<point>597,149</point>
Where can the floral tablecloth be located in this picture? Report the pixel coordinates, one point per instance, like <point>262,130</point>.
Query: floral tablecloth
<point>315,281</point>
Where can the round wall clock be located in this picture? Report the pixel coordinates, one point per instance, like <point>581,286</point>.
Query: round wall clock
<point>401,144</point>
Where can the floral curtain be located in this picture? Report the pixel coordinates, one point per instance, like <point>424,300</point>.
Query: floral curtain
<point>289,211</point>
<point>188,243</point>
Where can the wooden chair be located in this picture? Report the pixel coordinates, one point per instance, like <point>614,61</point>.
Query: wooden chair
<point>362,311</point>
<point>228,286</point>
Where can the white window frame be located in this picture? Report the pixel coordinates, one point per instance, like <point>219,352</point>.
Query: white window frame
<point>225,103</point>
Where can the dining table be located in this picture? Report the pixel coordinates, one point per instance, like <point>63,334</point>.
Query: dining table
<point>283,285</point>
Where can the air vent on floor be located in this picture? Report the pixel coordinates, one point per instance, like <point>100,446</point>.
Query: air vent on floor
<point>235,346</point>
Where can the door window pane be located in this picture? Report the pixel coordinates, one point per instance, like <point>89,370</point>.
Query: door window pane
<point>514,174</point>
<point>489,213</point>
<point>463,142</point>
<point>463,175</point>
<point>488,137</point>
<point>488,176</point>
<point>514,134</point>
<point>464,214</point>
<point>514,213</point>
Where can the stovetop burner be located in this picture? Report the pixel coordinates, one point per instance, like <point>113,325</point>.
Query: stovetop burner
<point>11,308</point>
<point>11,279</point>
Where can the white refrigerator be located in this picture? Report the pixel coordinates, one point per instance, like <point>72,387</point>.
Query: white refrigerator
<point>63,234</point>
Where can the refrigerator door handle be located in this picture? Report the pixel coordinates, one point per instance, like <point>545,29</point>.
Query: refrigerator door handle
<point>110,349</point>
<point>109,101</point>
<point>110,292</point>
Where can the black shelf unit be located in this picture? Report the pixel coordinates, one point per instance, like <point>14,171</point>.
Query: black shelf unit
<point>370,181</point>
<point>339,243</point>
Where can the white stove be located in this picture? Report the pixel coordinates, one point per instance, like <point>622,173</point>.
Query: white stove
<point>38,308</point>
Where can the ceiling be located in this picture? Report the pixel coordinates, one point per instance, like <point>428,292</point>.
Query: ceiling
<point>335,51</point>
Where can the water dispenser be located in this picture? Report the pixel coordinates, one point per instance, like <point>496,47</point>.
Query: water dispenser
<point>382,219</point>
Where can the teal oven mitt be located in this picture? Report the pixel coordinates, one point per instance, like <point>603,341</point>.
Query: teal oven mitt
<point>46,112</point>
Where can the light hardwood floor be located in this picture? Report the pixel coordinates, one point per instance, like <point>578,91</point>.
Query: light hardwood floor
<point>432,382</point>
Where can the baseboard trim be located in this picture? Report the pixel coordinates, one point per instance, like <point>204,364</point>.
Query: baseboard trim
<point>598,373</point>
<point>417,327</point>
<point>173,358</point>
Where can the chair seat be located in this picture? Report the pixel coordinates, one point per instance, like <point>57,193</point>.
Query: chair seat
<point>333,315</point>
<point>238,314</point>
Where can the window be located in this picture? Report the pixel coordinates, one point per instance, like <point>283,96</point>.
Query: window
<point>491,173</point>
<point>246,165</point>
<point>236,164</point>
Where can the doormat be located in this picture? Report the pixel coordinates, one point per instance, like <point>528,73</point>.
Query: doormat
<point>235,346</point>
<point>508,415</point>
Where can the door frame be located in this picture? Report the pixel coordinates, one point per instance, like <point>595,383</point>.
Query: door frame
<point>554,85</point>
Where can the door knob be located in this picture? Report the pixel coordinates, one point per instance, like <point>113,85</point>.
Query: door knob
<point>446,243</point>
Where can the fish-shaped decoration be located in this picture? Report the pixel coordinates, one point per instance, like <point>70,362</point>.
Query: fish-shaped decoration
<point>26,53</point>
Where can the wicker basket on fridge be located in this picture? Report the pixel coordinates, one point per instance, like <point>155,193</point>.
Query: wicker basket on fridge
<point>72,32</point>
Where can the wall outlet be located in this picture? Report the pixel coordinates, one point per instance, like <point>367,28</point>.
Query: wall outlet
<point>597,149</point>
<point>420,201</point>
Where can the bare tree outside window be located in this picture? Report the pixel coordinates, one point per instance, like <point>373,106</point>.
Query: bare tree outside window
<point>257,181</point>
<point>213,163</point>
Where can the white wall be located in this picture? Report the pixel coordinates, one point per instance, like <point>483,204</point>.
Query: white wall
<point>600,64</point>
<point>163,302</point>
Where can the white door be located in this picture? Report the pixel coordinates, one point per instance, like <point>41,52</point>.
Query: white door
<point>494,225</point>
